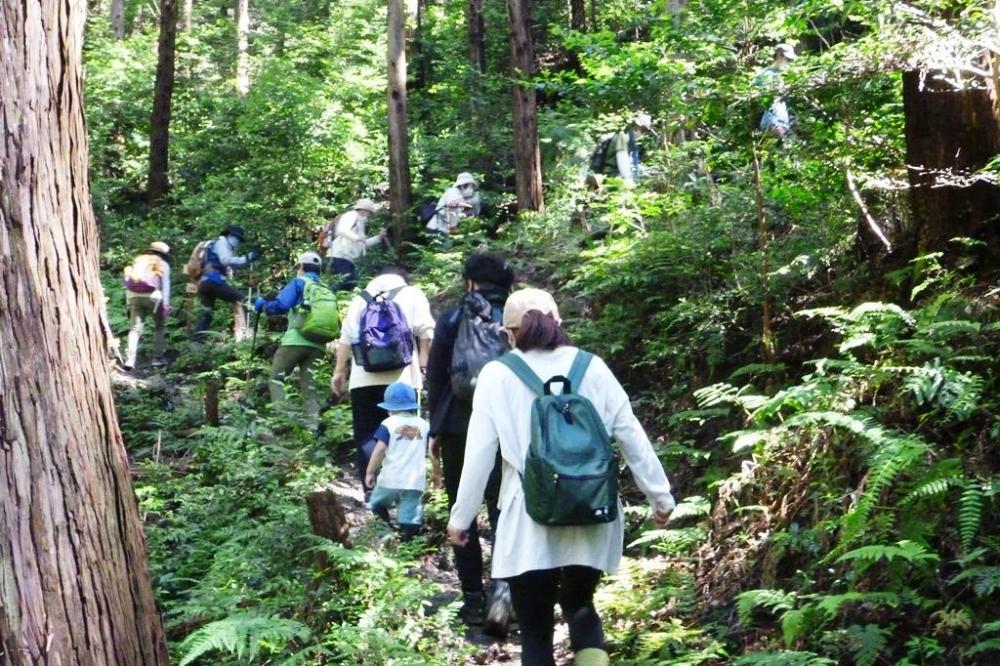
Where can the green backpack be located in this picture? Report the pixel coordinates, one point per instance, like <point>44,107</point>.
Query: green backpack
<point>570,472</point>
<point>318,319</point>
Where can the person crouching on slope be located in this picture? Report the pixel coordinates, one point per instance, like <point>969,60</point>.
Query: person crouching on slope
<point>564,561</point>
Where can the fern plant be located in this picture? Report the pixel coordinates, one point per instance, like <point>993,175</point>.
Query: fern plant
<point>243,636</point>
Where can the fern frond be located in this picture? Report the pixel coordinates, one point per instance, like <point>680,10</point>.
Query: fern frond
<point>241,635</point>
<point>970,513</point>
<point>783,658</point>
<point>910,551</point>
<point>776,601</point>
<point>932,488</point>
<point>869,641</point>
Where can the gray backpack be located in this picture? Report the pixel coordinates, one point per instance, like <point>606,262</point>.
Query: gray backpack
<point>480,339</point>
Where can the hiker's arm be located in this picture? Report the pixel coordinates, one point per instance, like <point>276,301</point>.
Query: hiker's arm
<point>372,241</point>
<point>340,371</point>
<point>226,257</point>
<point>376,461</point>
<point>423,352</point>
<point>165,289</point>
<point>481,445</point>
<point>439,363</point>
<point>635,445</point>
<point>287,298</point>
<point>624,163</point>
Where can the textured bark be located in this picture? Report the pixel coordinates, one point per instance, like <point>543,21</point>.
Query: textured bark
<point>74,579</point>
<point>399,153</point>
<point>117,15</point>
<point>950,135</point>
<point>477,35</point>
<point>578,15</point>
<point>327,516</point>
<point>527,157</point>
<point>163,92</point>
<point>242,55</point>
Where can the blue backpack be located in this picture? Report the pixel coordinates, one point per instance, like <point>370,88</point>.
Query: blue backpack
<point>385,341</point>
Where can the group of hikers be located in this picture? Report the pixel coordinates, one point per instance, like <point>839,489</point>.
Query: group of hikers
<point>498,426</point>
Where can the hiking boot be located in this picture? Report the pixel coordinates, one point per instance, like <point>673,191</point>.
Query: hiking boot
<point>471,612</point>
<point>500,609</point>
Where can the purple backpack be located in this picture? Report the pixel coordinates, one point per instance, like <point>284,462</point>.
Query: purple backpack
<point>386,341</point>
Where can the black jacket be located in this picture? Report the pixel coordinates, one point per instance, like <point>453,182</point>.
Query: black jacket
<point>449,414</point>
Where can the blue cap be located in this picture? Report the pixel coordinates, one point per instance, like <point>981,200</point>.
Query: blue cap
<point>399,397</point>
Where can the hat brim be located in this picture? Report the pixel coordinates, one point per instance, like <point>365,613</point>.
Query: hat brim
<point>398,406</point>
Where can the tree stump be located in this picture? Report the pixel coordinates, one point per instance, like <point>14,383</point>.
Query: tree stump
<point>328,519</point>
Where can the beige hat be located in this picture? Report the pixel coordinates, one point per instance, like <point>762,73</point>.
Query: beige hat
<point>786,50</point>
<point>523,300</point>
<point>365,204</point>
<point>309,259</point>
<point>643,120</point>
<point>159,246</point>
<point>465,178</point>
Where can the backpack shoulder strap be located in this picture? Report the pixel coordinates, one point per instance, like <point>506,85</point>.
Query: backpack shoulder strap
<point>579,369</point>
<point>523,372</point>
<point>391,294</point>
<point>368,298</point>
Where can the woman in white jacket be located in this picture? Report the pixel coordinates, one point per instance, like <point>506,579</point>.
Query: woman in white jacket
<point>548,564</point>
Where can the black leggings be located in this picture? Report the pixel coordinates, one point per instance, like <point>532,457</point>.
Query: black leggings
<point>534,594</point>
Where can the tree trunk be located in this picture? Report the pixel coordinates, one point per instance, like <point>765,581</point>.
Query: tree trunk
<point>74,579</point>
<point>527,157</point>
<point>399,157</point>
<point>159,124</point>
<point>242,56</point>
<point>950,135</point>
<point>477,35</point>
<point>187,15</point>
<point>118,18</point>
<point>578,15</point>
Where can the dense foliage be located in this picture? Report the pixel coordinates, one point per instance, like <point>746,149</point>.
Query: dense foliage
<point>827,410</point>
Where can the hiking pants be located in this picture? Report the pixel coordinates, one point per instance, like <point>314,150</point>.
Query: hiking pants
<point>287,359</point>
<point>534,595</point>
<point>140,307</point>
<point>343,273</point>
<point>208,292</point>
<point>367,416</point>
<point>468,558</point>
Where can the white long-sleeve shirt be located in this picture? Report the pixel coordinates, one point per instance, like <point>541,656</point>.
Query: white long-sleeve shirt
<point>350,241</point>
<point>501,416</point>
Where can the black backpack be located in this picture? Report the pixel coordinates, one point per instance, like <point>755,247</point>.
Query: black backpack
<point>479,340</point>
<point>600,156</point>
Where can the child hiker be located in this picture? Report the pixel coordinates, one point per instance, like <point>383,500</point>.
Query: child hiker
<point>401,444</point>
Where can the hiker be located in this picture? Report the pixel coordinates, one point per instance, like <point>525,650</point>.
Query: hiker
<point>400,451</point>
<point>147,292</point>
<point>301,345</point>
<point>345,241</point>
<point>557,561</point>
<point>488,280</point>
<point>385,338</point>
<point>619,153</point>
<point>219,261</point>
<point>458,202</point>
<point>776,118</point>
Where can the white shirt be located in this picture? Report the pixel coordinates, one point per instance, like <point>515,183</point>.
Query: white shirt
<point>404,466</point>
<point>452,207</point>
<point>162,294</point>
<point>501,415</point>
<point>349,240</point>
<point>417,312</point>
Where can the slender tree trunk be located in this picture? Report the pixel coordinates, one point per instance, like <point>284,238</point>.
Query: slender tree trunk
<point>593,15</point>
<point>527,157</point>
<point>159,124</point>
<point>951,135</point>
<point>242,56</point>
<point>578,15</point>
<point>187,15</point>
<point>399,156</point>
<point>74,578</point>
<point>118,18</point>
<point>477,35</point>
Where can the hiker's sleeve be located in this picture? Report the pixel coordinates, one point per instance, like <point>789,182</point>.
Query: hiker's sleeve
<point>481,445</point>
<point>226,257</point>
<point>635,444</point>
<point>345,228</point>
<point>165,286</point>
<point>423,321</point>
<point>382,435</point>
<point>439,363</point>
<point>349,325</point>
<point>286,299</point>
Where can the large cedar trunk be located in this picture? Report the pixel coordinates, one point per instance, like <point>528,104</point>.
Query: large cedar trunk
<point>477,35</point>
<point>159,124</point>
<point>399,157</point>
<point>242,39</point>
<point>950,135</point>
<point>527,157</point>
<point>117,15</point>
<point>74,581</point>
<point>578,15</point>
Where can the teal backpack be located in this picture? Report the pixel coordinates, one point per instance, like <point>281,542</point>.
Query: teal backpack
<point>318,319</point>
<point>570,472</point>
